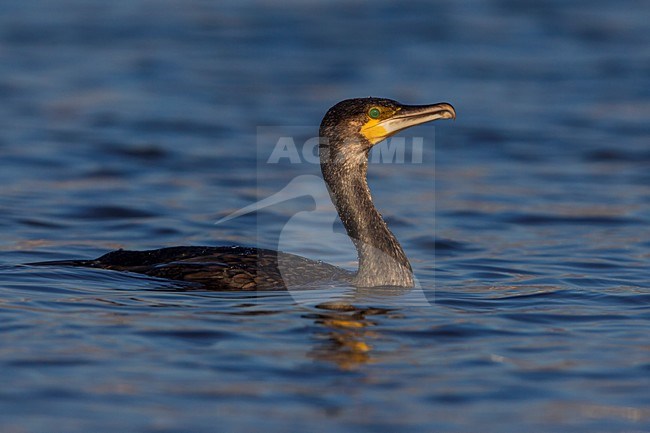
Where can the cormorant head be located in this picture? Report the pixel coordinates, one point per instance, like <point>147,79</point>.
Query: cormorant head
<point>352,127</point>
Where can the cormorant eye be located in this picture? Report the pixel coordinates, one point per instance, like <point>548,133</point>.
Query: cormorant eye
<point>374,113</point>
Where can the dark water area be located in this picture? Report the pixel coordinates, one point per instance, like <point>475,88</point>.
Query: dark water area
<point>139,124</point>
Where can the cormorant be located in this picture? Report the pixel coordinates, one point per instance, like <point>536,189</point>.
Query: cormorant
<point>348,131</point>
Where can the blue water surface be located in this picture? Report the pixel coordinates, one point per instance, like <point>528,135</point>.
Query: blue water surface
<point>139,124</point>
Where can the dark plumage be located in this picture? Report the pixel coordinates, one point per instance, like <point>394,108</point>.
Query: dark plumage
<point>221,268</point>
<point>348,131</point>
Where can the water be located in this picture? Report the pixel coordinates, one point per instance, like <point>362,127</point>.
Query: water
<point>135,124</point>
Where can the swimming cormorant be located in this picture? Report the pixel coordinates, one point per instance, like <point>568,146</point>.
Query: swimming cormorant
<point>348,131</point>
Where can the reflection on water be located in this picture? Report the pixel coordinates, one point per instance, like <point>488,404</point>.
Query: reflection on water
<point>347,334</point>
<point>344,340</point>
<point>126,125</point>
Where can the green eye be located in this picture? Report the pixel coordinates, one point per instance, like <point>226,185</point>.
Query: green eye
<point>374,113</point>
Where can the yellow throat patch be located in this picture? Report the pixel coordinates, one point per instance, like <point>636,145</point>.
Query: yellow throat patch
<point>373,130</point>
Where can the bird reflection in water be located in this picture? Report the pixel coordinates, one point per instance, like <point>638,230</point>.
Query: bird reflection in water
<point>346,336</point>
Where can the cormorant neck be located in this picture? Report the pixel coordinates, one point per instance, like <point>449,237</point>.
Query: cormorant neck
<point>382,261</point>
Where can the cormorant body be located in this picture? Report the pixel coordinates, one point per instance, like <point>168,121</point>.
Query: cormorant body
<point>219,268</point>
<point>348,131</point>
